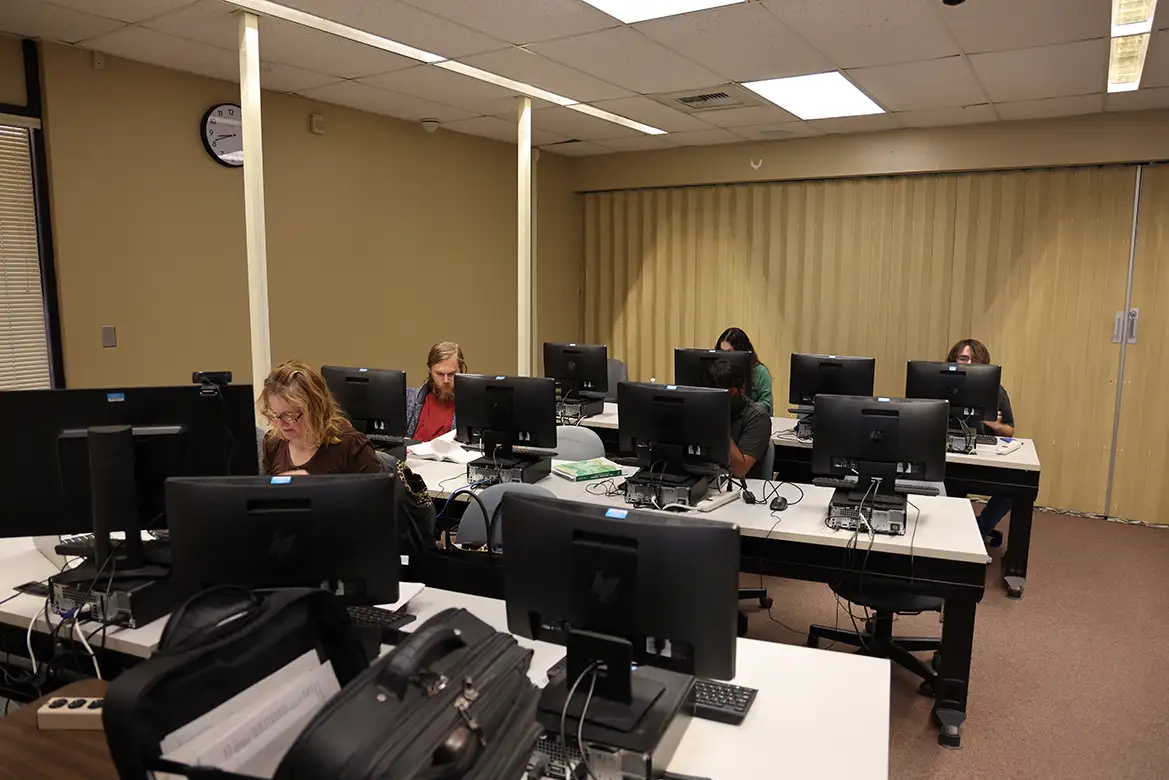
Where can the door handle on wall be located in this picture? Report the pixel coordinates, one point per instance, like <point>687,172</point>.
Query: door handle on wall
<point>1124,326</point>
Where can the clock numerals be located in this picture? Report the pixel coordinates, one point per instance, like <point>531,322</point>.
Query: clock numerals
<point>223,140</point>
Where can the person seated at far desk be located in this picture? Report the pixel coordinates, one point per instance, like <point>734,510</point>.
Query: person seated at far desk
<point>750,425</point>
<point>970,351</point>
<point>759,388</point>
<point>430,409</point>
<point>308,434</point>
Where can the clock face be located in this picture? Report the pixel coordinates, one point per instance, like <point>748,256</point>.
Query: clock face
<point>223,134</point>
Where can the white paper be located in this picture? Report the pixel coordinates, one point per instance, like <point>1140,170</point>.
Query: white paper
<point>406,592</point>
<point>444,448</point>
<point>251,732</point>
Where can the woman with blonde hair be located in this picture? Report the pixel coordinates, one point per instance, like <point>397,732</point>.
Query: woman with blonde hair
<point>307,433</point>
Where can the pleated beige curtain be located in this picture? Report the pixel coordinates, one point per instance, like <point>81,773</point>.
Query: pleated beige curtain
<point>1033,263</point>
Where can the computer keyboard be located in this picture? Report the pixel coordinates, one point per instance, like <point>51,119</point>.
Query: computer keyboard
<point>720,701</point>
<point>387,441</point>
<point>988,440</point>
<point>81,546</point>
<point>376,617</point>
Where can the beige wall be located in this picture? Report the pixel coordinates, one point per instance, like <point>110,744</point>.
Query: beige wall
<point>381,238</point>
<point>11,72</point>
<point>1086,140</point>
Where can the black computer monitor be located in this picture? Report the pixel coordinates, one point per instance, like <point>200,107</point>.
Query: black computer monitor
<point>338,532</point>
<point>579,369</point>
<point>691,365</point>
<point>812,375</point>
<point>502,412</point>
<point>619,587</point>
<point>176,431</point>
<point>879,439</point>
<point>374,399</point>
<point>971,389</point>
<point>674,427</point>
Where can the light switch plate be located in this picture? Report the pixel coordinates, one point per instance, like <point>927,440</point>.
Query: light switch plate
<point>109,336</point>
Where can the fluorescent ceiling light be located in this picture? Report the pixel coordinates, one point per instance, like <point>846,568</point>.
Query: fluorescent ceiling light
<point>1132,17</point>
<point>1126,60</point>
<point>585,108</point>
<point>278,11</point>
<point>818,96</point>
<point>503,81</point>
<point>630,11</point>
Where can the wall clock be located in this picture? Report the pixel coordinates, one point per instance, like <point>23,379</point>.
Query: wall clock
<point>223,136</point>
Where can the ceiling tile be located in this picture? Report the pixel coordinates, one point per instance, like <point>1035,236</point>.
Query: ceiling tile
<point>577,149</point>
<point>915,85</point>
<point>739,42</point>
<point>1156,73</point>
<point>651,112</point>
<point>573,124</point>
<point>1045,71</point>
<point>950,115</point>
<point>123,10</point>
<point>627,58</point>
<point>871,32</point>
<point>998,25</point>
<point>378,101</point>
<point>213,22</point>
<point>443,86</point>
<point>143,45</point>
<point>706,137</point>
<point>403,23</point>
<point>285,78</point>
<point>521,21</point>
<point>1041,109</point>
<point>52,22</point>
<point>641,143</point>
<point>744,117</point>
<point>857,124</point>
<point>1140,100</point>
<point>500,129</point>
<point>531,68</point>
<point>778,131</point>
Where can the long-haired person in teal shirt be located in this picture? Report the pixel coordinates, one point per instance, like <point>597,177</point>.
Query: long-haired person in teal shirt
<point>735,340</point>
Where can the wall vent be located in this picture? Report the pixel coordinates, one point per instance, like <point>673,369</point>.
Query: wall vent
<point>697,101</point>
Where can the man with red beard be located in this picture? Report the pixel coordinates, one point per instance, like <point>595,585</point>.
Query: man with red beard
<point>430,409</point>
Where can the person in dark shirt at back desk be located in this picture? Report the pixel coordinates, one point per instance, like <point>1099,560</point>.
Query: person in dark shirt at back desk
<point>750,425</point>
<point>430,409</point>
<point>308,434</point>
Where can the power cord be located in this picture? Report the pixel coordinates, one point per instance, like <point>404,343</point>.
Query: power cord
<point>564,718</point>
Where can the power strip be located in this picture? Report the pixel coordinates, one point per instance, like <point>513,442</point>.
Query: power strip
<point>70,714</point>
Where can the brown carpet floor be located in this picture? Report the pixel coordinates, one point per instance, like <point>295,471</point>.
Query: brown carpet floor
<point>1070,682</point>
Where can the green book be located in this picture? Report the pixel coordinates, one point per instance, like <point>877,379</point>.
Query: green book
<point>584,470</point>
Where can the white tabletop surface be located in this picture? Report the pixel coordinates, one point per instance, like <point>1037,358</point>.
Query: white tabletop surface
<point>1024,459</point>
<point>944,528</point>
<point>794,722</point>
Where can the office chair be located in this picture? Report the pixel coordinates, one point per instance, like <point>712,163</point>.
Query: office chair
<point>886,597</point>
<point>617,373</point>
<point>260,434</point>
<point>473,526</point>
<point>764,469</point>
<point>576,443</point>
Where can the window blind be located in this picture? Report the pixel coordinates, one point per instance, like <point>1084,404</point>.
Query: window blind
<point>24,354</point>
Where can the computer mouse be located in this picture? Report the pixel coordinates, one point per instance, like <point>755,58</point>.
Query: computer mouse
<point>778,504</point>
<point>748,497</point>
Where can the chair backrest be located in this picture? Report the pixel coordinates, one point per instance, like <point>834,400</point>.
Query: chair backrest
<point>617,373</point>
<point>574,442</point>
<point>473,526</point>
<point>764,469</point>
<point>387,461</point>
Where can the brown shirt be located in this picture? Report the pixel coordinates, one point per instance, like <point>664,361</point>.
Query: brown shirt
<point>352,455</point>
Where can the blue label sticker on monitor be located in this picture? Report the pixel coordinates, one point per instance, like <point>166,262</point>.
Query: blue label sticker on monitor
<point>671,387</point>
<point>952,368</point>
<point>115,398</point>
<point>281,480</point>
<point>883,400</point>
<point>617,514</point>
<point>500,378</point>
<point>362,370</point>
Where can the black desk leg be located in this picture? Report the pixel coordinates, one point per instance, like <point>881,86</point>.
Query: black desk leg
<point>954,674</point>
<point>1018,546</point>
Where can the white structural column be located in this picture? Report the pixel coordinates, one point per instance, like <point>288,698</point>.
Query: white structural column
<point>526,298</point>
<point>257,245</point>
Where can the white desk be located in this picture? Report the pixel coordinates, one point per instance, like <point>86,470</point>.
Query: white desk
<point>793,722</point>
